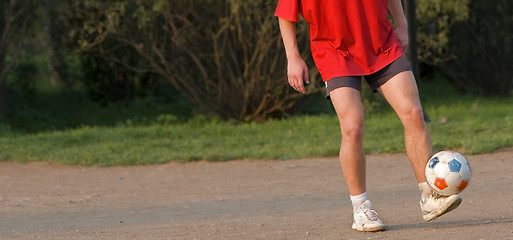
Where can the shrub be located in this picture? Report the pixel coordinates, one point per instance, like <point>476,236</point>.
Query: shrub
<point>225,56</point>
<point>436,19</point>
<point>483,45</point>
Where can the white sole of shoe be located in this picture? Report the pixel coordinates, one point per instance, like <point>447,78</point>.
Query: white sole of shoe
<point>448,208</point>
<point>368,229</point>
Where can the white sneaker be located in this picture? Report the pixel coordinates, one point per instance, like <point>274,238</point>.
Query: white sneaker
<point>437,205</point>
<point>366,219</point>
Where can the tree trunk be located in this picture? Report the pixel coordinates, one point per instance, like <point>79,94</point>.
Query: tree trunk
<point>3,104</point>
<point>56,66</point>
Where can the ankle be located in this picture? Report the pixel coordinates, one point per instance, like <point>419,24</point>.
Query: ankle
<point>358,200</point>
<point>425,190</point>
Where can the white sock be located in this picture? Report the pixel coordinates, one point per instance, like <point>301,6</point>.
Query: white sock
<point>425,190</point>
<point>358,199</point>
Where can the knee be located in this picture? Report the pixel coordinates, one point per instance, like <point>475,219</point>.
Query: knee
<point>353,133</point>
<point>414,115</point>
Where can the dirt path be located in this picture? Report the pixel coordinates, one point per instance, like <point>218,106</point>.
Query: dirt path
<point>295,199</point>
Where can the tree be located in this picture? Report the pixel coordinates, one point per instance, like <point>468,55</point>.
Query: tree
<point>436,19</point>
<point>15,20</point>
<point>54,57</point>
<point>484,51</point>
<point>225,56</point>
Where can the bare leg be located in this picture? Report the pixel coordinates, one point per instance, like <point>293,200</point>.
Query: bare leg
<point>402,94</point>
<point>348,105</point>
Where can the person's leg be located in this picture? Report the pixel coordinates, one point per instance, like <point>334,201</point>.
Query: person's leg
<point>402,94</point>
<point>348,105</point>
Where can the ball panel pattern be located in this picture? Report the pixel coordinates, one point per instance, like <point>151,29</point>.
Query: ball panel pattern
<point>454,165</point>
<point>440,183</point>
<point>462,185</point>
<point>448,173</point>
<point>432,163</point>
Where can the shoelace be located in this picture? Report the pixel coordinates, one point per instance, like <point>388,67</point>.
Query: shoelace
<point>435,195</point>
<point>371,214</point>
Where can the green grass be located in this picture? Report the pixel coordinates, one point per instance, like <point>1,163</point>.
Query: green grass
<point>198,139</point>
<point>469,125</point>
<point>473,125</point>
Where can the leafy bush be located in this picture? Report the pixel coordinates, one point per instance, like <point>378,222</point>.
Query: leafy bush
<point>484,50</point>
<point>436,19</point>
<point>107,67</point>
<point>15,22</point>
<point>225,56</point>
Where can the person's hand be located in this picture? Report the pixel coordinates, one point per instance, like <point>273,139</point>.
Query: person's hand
<point>402,35</point>
<point>297,73</point>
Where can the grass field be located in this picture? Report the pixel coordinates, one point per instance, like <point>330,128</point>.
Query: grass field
<point>146,133</point>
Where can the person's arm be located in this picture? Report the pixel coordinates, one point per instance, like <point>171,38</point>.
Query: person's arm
<point>401,31</point>
<point>297,71</point>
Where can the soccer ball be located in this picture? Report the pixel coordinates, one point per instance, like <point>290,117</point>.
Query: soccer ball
<point>448,173</point>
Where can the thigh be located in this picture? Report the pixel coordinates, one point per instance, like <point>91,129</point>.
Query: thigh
<point>348,105</point>
<point>402,94</point>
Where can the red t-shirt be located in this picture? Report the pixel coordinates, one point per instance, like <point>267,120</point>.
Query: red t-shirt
<point>347,37</point>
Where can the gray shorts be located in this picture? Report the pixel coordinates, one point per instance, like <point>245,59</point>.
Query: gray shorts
<point>374,80</point>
